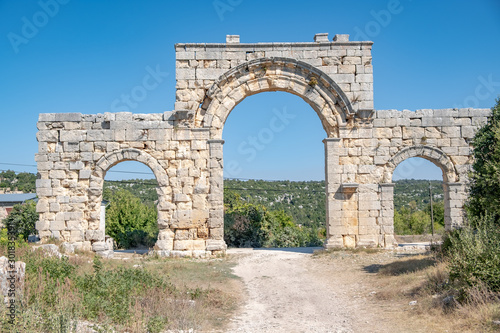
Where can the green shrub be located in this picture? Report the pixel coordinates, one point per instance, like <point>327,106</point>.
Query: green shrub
<point>485,177</point>
<point>251,225</point>
<point>130,222</point>
<point>113,292</point>
<point>22,219</point>
<point>474,255</point>
<point>4,239</point>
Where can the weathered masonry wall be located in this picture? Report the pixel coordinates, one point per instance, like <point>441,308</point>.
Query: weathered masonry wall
<point>184,149</point>
<point>369,150</point>
<point>76,150</point>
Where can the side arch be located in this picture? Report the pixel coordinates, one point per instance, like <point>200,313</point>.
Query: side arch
<point>452,188</point>
<point>275,74</point>
<point>109,160</point>
<point>432,154</point>
<point>95,233</point>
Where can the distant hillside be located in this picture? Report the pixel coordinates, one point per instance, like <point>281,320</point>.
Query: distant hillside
<point>12,182</point>
<point>304,200</point>
<point>408,190</point>
<point>145,189</point>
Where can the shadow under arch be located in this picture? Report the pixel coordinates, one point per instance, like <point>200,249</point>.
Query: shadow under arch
<point>275,74</point>
<point>105,163</point>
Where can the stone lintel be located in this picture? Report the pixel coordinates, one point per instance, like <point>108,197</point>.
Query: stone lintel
<point>328,140</point>
<point>215,141</point>
<point>350,187</point>
<point>453,184</point>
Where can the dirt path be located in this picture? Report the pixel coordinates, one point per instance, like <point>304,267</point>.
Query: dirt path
<point>292,291</point>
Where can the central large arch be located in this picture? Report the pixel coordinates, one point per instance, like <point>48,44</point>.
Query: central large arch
<point>275,74</point>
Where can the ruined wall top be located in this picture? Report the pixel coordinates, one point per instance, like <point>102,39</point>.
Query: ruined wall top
<point>321,41</point>
<point>348,63</point>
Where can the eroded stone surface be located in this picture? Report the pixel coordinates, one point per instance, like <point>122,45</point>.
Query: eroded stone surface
<point>183,147</point>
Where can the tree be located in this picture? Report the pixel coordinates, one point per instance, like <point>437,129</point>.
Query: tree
<point>130,222</point>
<point>485,177</point>
<point>22,219</point>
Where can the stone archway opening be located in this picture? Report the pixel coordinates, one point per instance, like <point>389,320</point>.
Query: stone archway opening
<point>453,189</point>
<point>130,206</point>
<point>124,230</point>
<point>416,180</point>
<point>315,87</point>
<point>274,136</point>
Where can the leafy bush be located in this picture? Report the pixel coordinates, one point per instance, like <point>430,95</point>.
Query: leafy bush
<point>485,178</point>
<point>4,239</point>
<point>408,222</point>
<point>22,219</point>
<point>474,255</point>
<point>130,222</point>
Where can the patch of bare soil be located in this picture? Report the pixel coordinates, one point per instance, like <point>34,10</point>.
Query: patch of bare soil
<point>292,290</point>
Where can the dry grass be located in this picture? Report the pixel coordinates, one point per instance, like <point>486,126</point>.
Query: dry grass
<point>424,279</point>
<point>195,294</point>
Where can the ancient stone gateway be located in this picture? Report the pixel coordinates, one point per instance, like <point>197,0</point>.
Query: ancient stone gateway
<point>183,147</point>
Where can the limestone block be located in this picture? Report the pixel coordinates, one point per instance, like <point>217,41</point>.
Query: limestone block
<point>181,197</point>
<point>73,136</point>
<point>54,207</point>
<point>215,245</point>
<point>42,225</point>
<point>343,78</point>
<point>382,132</point>
<point>57,225</point>
<point>69,147</point>
<point>202,232</point>
<point>349,241</point>
<point>183,245</point>
<point>217,233</point>
<point>76,236</point>
<point>199,245</point>
<point>165,245</point>
<point>99,135</point>
<point>67,117</point>
<point>99,246</point>
<point>468,132</point>
<point>77,165</point>
<point>368,241</point>
<point>182,234</point>
<point>47,136</point>
<point>166,234</point>
<point>413,133</point>
<point>200,216</point>
<point>346,69</point>
<point>94,235</point>
<point>364,78</point>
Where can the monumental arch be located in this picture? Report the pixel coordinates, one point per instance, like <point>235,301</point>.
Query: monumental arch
<point>184,149</point>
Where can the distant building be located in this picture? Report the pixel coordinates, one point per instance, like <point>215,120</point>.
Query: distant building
<point>7,202</point>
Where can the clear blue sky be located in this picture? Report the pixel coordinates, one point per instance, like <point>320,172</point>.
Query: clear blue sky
<point>83,55</point>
